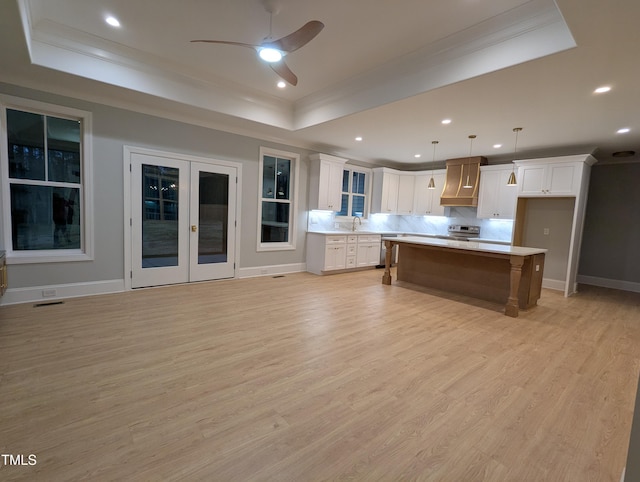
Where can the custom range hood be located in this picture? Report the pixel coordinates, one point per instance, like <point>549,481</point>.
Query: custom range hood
<point>461,184</point>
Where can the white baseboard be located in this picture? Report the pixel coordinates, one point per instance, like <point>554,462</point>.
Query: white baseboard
<point>47,293</point>
<point>271,270</point>
<point>609,283</point>
<point>553,284</point>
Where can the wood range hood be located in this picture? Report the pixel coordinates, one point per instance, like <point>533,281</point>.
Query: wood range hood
<point>458,171</point>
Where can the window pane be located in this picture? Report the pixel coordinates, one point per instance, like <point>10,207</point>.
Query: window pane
<point>44,217</point>
<point>269,177</point>
<point>357,208</point>
<point>63,145</point>
<point>213,217</point>
<point>275,222</point>
<point>358,182</point>
<point>25,133</point>
<point>283,176</point>
<point>344,206</point>
<point>160,187</point>
<point>345,180</point>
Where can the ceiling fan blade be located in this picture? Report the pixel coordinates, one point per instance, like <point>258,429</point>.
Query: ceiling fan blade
<point>285,72</point>
<point>299,38</point>
<point>239,44</point>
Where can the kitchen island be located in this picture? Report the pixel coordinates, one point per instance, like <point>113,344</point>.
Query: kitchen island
<point>492,272</point>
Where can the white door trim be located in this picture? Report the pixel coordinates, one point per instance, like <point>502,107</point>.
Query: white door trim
<point>128,151</point>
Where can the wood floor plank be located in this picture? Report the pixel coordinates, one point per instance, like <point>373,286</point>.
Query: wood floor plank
<point>318,378</point>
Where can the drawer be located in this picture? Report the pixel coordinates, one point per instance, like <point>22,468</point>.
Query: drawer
<point>335,240</point>
<point>352,238</point>
<point>369,238</point>
<point>351,249</point>
<point>351,261</point>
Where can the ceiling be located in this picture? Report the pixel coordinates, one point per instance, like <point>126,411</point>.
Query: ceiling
<point>389,72</point>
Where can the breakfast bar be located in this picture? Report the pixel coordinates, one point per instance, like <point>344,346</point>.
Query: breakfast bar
<point>492,272</point>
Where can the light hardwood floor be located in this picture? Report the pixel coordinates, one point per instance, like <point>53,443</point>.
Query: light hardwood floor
<point>305,378</point>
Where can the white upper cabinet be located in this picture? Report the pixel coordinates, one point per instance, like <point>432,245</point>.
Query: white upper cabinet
<point>427,201</point>
<point>406,186</point>
<point>392,191</point>
<point>325,182</point>
<point>496,199</point>
<point>550,177</point>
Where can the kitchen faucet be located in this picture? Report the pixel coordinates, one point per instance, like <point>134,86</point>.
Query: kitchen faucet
<point>353,224</point>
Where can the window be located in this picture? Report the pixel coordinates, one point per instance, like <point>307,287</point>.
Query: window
<point>354,192</point>
<point>45,182</point>
<point>278,196</point>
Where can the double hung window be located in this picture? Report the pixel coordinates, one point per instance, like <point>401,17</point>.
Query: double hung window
<point>278,195</point>
<point>45,181</point>
<point>354,193</point>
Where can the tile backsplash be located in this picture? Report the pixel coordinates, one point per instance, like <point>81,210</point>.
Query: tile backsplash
<point>499,230</point>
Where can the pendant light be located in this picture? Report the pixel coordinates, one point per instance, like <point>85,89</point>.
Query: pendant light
<point>512,177</point>
<point>432,184</point>
<point>468,183</point>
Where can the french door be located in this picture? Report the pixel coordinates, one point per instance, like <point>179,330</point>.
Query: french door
<point>183,219</point>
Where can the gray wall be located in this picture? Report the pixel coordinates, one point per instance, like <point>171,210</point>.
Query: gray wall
<point>612,224</point>
<point>114,128</point>
<point>556,215</point>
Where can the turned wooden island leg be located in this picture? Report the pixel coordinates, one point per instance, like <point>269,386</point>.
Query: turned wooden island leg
<point>386,277</point>
<point>513,303</point>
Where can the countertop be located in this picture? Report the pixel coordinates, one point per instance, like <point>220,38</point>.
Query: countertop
<point>468,245</point>
<point>398,233</point>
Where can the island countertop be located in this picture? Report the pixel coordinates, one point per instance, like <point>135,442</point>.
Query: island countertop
<point>492,272</point>
<point>467,245</point>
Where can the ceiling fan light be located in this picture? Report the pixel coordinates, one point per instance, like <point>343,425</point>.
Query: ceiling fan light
<point>269,54</point>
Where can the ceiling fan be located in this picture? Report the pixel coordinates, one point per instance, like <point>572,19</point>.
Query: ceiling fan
<point>274,51</point>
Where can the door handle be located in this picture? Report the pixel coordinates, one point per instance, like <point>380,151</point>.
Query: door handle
<point>194,228</point>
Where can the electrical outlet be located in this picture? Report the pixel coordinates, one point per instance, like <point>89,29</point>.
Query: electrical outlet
<point>546,231</point>
<point>49,293</point>
<point>537,267</point>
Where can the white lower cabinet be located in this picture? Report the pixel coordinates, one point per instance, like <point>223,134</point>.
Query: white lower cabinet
<point>328,252</point>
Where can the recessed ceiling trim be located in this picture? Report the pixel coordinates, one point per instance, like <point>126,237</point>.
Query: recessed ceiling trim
<point>58,47</point>
<point>533,30</point>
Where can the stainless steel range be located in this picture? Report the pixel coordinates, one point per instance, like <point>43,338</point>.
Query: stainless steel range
<point>461,232</point>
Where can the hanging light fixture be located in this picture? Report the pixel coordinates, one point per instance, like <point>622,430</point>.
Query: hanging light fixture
<point>512,177</point>
<point>468,183</point>
<point>432,184</point>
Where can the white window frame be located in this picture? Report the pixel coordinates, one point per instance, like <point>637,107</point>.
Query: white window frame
<point>86,251</point>
<point>367,191</point>
<point>293,200</point>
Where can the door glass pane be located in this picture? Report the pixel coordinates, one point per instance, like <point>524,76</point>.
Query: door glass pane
<point>25,132</point>
<point>213,218</point>
<point>275,222</point>
<point>159,216</point>
<point>45,217</point>
<point>63,146</point>
<point>345,180</point>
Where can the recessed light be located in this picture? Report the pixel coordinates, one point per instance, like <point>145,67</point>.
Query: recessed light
<point>446,121</point>
<point>497,146</point>
<point>624,130</point>
<point>113,21</point>
<point>417,156</point>
<point>282,84</point>
<point>358,138</point>
<point>602,90</point>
